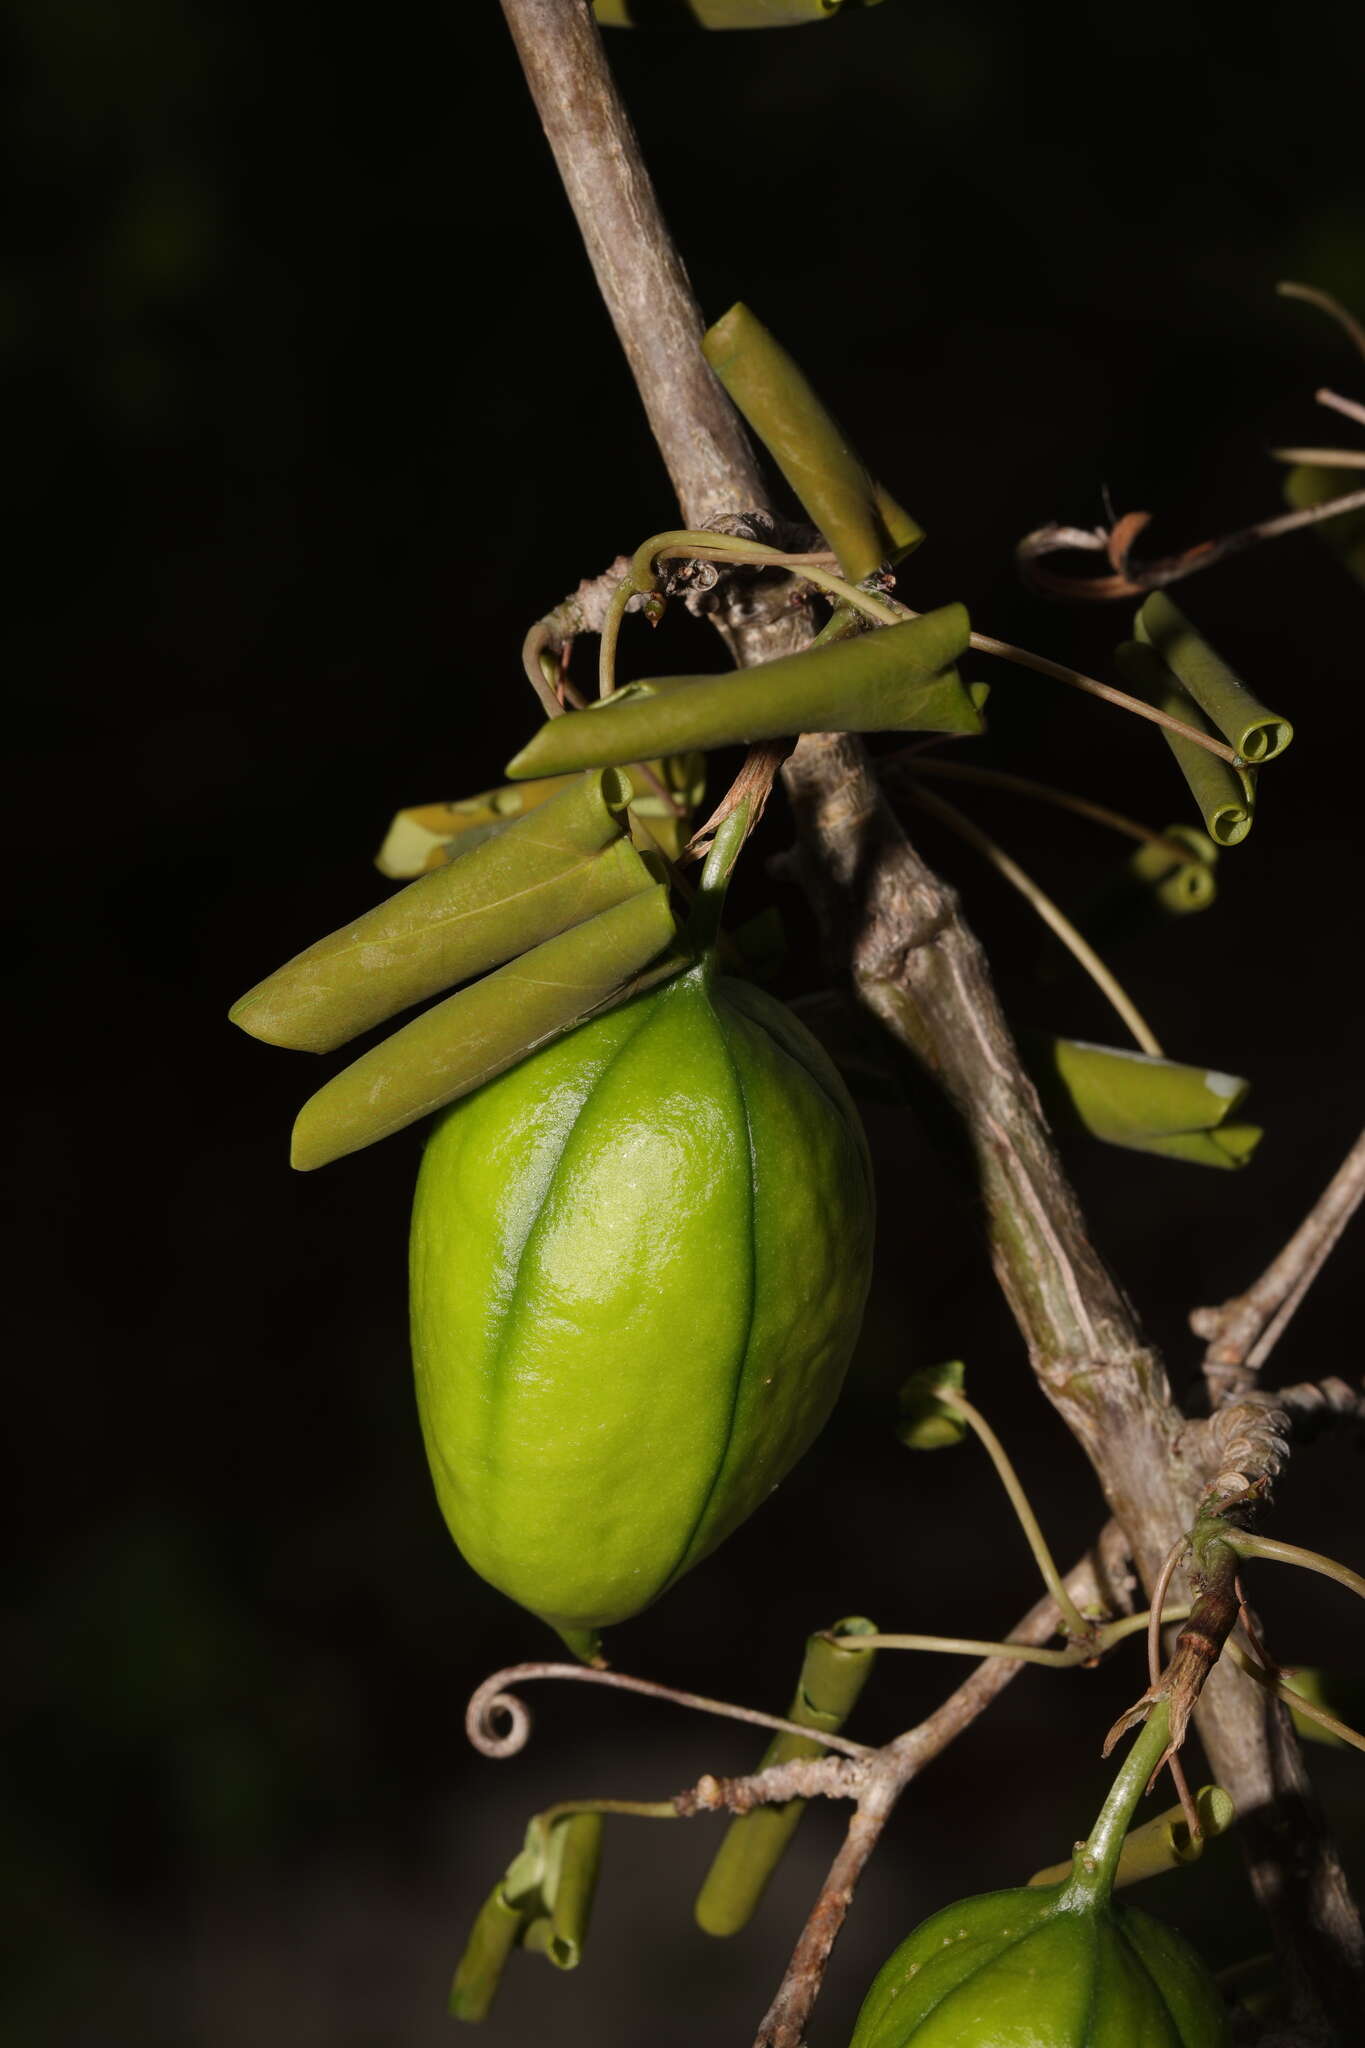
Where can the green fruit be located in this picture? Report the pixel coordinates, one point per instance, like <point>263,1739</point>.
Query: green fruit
<point>639,1263</point>
<point>1034,1969</point>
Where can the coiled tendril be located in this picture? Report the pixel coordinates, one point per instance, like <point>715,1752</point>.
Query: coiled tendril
<point>492,1701</point>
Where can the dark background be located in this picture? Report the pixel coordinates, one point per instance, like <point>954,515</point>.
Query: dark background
<point>312,410</point>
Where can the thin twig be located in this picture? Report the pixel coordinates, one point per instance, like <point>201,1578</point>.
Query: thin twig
<point>1055,919</point>
<point>1178,1684</point>
<point>889,609</point>
<point>1269,1547</point>
<point>1099,1639</point>
<point>582,611</point>
<point>1105,691</point>
<point>1130,578</point>
<point>752,785</point>
<point>969,1646</point>
<point>1295,1701</point>
<point>808,1777</point>
<point>1311,296</point>
<point>536,643</point>
<point>1073,1621</point>
<point>1244,1331</point>
<point>1158,1607</point>
<point>1324,458</point>
<point>1350,408</point>
<point>1043,792</point>
<point>1154,1623</point>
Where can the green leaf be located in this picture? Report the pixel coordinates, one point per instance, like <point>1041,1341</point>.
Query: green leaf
<point>543,1902</point>
<point>556,1925</point>
<point>928,1423</point>
<point>479,1970</point>
<point>758,947</point>
<point>565,862</point>
<point>1314,484</point>
<point>717,14</point>
<point>1178,884</point>
<point>898,679</point>
<point>1231,1145</point>
<point>426,836</point>
<point>833,1674</point>
<point>1257,734</point>
<point>864,526</point>
<point>1329,1691</point>
<point>1225,799</point>
<point>453,1048</point>
<point>1164,1843</point>
<point>1144,1104</point>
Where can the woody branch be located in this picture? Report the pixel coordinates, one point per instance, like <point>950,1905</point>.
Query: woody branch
<point>890,921</point>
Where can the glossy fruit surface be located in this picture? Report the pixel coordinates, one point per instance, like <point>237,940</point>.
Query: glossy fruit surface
<point>639,1263</point>
<point>1020,1969</point>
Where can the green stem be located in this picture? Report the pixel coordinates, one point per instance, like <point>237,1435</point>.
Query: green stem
<point>641,579</point>
<point>1097,1861</point>
<point>1164,1843</point>
<point>1247,1545</point>
<point>1099,1638</point>
<point>967,1646</point>
<point>1054,918</point>
<point>841,624</point>
<point>703,926</point>
<point>890,612</point>
<point>625,590</point>
<point>532,648</point>
<point>1293,1699</point>
<point>1111,1632</point>
<point>1063,800</point>
<point>640,1809</point>
<point>712,547</point>
<point>1074,1622</point>
<point>1106,692</point>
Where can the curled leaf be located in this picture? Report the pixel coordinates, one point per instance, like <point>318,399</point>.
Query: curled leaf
<point>926,1421</point>
<point>1257,734</point>
<point>426,836</point>
<point>1224,797</point>
<point>479,1970</point>
<point>717,14</point>
<point>1142,1103</point>
<point>454,1047</point>
<point>561,1904</point>
<point>862,523</point>
<point>1328,1690</point>
<point>898,679</point>
<point>563,863</point>
<point>833,1674</point>
<point>1177,870</point>
<point>1164,1843</point>
<point>543,1902</point>
<point>1314,484</point>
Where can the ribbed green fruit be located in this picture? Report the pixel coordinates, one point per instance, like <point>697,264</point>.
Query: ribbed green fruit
<point>639,1263</point>
<point>1019,1969</point>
